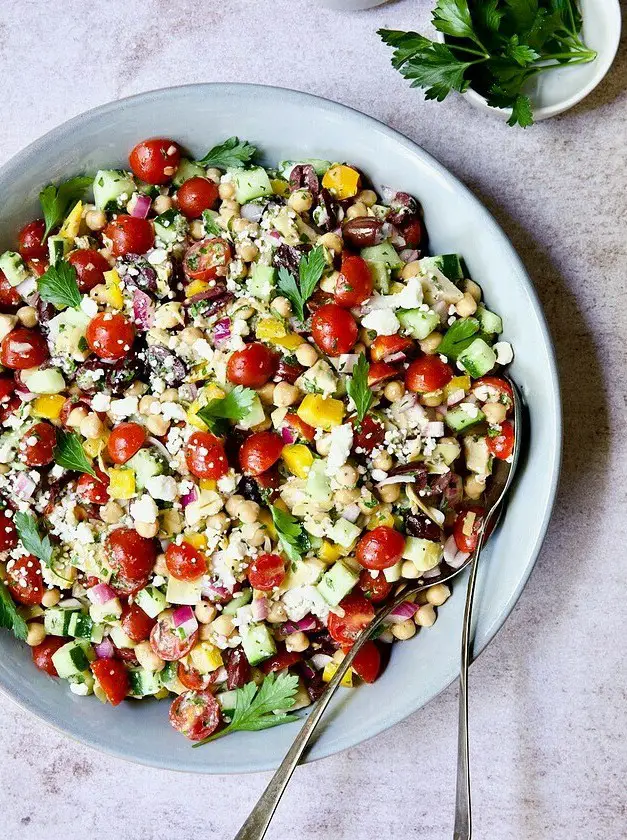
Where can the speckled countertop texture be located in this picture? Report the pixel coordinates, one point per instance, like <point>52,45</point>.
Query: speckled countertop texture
<point>549,705</point>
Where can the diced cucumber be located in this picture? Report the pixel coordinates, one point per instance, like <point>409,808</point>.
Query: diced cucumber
<point>478,456</point>
<point>459,418</point>
<point>151,600</point>
<point>393,573</point>
<point>14,268</point>
<point>82,684</point>
<point>240,600</point>
<point>250,184</point>
<point>436,285</point>
<point>106,613</point>
<point>255,416</point>
<point>337,582</point>
<point>168,677</point>
<point>73,658</point>
<point>490,322</point>
<point>384,253</point>
<point>258,643</point>
<point>424,554</point>
<point>119,638</point>
<point>449,264</point>
<point>417,323</point>
<point>170,226</point>
<point>318,379</point>
<point>444,454</point>
<point>146,464</point>
<point>66,332</point>
<point>112,187</point>
<point>227,700</point>
<point>57,622</point>
<point>477,359</point>
<point>183,591</point>
<point>285,166</point>
<point>58,247</point>
<point>303,573</point>
<point>188,169</point>
<point>143,188</point>
<point>380,272</point>
<point>318,486</point>
<point>262,281</point>
<point>81,626</point>
<point>143,683</point>
<point>344,533</point>
<point>47,381</point>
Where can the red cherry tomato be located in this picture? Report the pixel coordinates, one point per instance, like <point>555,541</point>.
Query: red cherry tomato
<point>136,623</point>
<point>466,528</point>
<point>502,445</point>
<point>184,562</point>
<point>110,336</point>
<point>9,296</point>
<point>155,161</point>
<point>354,285</point>
<point>166,641</point>
<point>303,429</point>
<point>124,441</point>
<point>30,241</point>
<point>37,446</point>
<point>195,714</point>
<point>281,661</point>
<point>129,235</point>
<point>266,572</point>
<point>495,389</point>
<point>24,580</point>
<point>367,663</point>
<point>334,329</point>
<point>38,267</point>
<point>8,533</point>
<point>205,456</point>
<point>368,435</point>
<point>388,345</point>
<point>426,374</point>
<point>380,372</point>
<point>196,195</point>
<point>130,555</point>
<point>414,233</point>
<point>90,267</point>
<point>380,548</point>
<point>358,613</point>
<point>43,653</point>
<point>260,451</point>
<point>93,490</point>
<point>191,678</point>
<point>9,401</point>
<point>22,349</point>
<point>113,678</point>
<point>375,589</point>
<point>126,587</point>
<point>206,259</point>
<point>251,366</point>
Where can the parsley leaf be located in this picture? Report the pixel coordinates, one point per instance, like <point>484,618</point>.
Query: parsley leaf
<point>452,17</point>
<point>235,406</point>
<point>406,45</point>
<point>358,389</point>
<point>293,540</point>
<point>58,285</point>
<point>10,618</point>
<point>489,15</point>
<point>459,335</point>
<point>256,706</point>
<point>436,69</point>
<point>521,53</point>
<point>310,270</point>
<point>69,453</point>
<point>56,202</point>
<point>28,531</point>
<point>232,154</point>
<point>210,225</point>
<point>521,112</point>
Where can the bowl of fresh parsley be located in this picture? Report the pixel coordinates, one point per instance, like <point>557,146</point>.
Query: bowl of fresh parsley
<point>525,60</point>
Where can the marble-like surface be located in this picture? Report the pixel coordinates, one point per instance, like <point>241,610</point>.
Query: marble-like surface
<point>549,710</point>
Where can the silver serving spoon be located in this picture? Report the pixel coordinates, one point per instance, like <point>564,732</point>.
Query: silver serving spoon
<point>259,819</point>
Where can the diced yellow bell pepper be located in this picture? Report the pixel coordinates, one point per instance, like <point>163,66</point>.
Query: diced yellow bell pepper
<point>121,483</point>
<point>206,657</point>
<point>457,383</point>
<point>48,406</point>
<point>196,287</point>
<point>70,227</point>
<point>298,459</point>
<point>265,518</point>
<point>330,552</point>
<point>329,672</point>
<point>94,446</point>
<point>113,292</point>
<point>289,342</point>
<point>280,187</point>
<point>208,393</point>
<point>208,484</point>
<point>269,328</point>
<point>342,181</point>
<point>160,695</point>
<point>380,517</point>
<point>199,372</point>
<point>198,541</point>
<point>321,412</point>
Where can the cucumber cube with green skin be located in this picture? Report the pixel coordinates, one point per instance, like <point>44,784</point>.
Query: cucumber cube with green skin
<point>262,281</point>
<point>143,683</point>
<point>255,416</point>
<point>258,643</point>
<point>384,253</point>
<point>250,184</point>
<point>285,166</point>
<point>81,626</point>
<point>344,533</point>
<point>58,247</point>
<point>151,600</point>
<point>458,419</point>
<point>490,322</point>
<point>227,700</point>
<point>106,613</point>
<point>380,272</point>
<point>188,169</point>
<point>318,486</point>
<point>449,264</point>
<point>168,676</point>
<point>477,359</point>
<point>111,187</point>
<point>73,658</point>
<point>170,226</point>
<point>57,621</point>
<point>337,582</point>
<point>146,464</point>
<point>14,268</point>
<point>417,323</point>
<point>424,554</point>
<point>240,600</point>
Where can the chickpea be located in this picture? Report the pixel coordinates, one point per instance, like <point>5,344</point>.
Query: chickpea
<point>147,658</point>
<point>394,390</point>
<point>190,334</point>
<point>306,355</point>
<point>438,594</point>
<point>50,598</point>
<point>27,315</point>
<point>347,496</point>
<point>494,412</point>
<point>197,230</point>
<point>162,204</point>
<point>91,426</point>
<point>430,344</point>
<point>76,417</point>
<point>473,289</point>
<point>214,175</point>
<point>230,206</point>
<point>426,616</point>
<point>382,461</point>
<point>248,512</point>
<point>226,190</point>
<point>36,634</point>
<point>365,337</point>
<point>411,269</point>
<point>367,197</point>
<point>248,252</point>
<point>359,348</point>
<point>409,571</point>
<point>466,306</point>
<point>300,201</point>
<point>347,476</point>
<point>404,630</point>
<point>219,521</point>
<point>282,307</point>
<point>357,210</point>
<point>136,389</point>
<point>147,529</point>
<point>328,283</point>
<point>254,534</point>
<point>390,493</point>
<point>276,613</point>
<point>266,393</point>
<point>233,504</point>
<point>170,395</point>
<point>433,399</point>
<point>205,612</point>
<point>149,405</point>
<point>332,242</point>
<point>205,633</point>
<point>111,513</point>
<point>323,445</point>
<point>157,425</point>
<point>265,424</point>
<point>239,225</point>
<point>472,487</point>
<point>296,642</point>
<point>285,394</point>
<point>222,625</point>
<point>95,219</point>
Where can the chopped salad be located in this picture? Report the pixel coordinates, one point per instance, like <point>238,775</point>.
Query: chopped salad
<point>241,407</point>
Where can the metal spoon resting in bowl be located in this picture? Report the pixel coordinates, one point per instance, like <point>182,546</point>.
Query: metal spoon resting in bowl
<point>259,819</point>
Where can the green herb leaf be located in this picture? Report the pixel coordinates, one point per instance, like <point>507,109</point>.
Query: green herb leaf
<point>521,112</point>
<point>57,202</point>
<point>235,406</point>
<point>232,154</point>
<point>437,70</point>
<point>521,53</point>
<point>521,14</point>
<point>69,453</point>
<point>10,618</point>
<point>28,531</point>
<point>310,270</point>
<point>256,707</point>
<point>292,538</point>
<point>59,286</point>
<point>489,15</point>
<point>459,335</point>
<point>358,389</point>
<point>406,45</point>
<point>453,18</point>
<point>210,225</point>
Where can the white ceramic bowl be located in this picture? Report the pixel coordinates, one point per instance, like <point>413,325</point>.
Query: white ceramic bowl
<point>285,124</point>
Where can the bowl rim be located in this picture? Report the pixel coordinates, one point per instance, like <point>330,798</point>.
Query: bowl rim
<point>307,100</point>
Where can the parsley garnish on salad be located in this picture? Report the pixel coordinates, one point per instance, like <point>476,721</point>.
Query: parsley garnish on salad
<point>28,531</point>
<point>232,154</point>
<point>358,389</point>
<point>56,202</point>
<point>210,224</point>
<point>59,286</point>
<point>310,270</point>
<point>10,618</point>
<point>69,453</point>
<point>235,406</point>
<point>293,539</point>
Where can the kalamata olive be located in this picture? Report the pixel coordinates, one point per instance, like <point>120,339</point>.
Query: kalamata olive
<point>126,371</point>
<point>237,668</point>
<point>326,213</point>
<point>45,311</point>
<point>450,485</point>
<point>288,257</point>
<point>419,525</point>
<point>249,489</point>
<point>166,365</point>
<point>362,232</point>
<point>315,686</point>
<point>91,376</point>
<point>288,373</point>
<point>419,471</point>
<point>402,208</point>
<point>303,176</point>
<point>139,273</point>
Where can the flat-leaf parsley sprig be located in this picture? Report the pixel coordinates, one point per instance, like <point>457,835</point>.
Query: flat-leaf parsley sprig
<point>232,154</point>
<point>59,286</point>
<point>310,270</point>
<point>236,406</point>
<point>292,537</point>
<point>56,202</point>
<point>358,389</point>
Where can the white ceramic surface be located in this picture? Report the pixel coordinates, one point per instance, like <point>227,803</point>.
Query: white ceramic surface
<point>198,116</point>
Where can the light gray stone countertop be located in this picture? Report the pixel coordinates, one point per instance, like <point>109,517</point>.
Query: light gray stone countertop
<point>549,704</point>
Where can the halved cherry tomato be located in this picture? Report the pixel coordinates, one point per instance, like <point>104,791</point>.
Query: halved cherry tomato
<point>388,345</point>
<point>414,233</point>
<point>155,161</point>
<point>303,429</point>
<point>8,533</point>
<point>206,259</point>
<point>502,445</point>
<point>380,548</point>
<point>9,296</point>
<point>130,555</point>
<point>205,456</point>
<point>24,580</point>
<point>266,572</point>
<point>376,589</point>
<point>196,714</point>
<point>251,366</point>
<point>358,613</point>
<point>367,663</point>
<point>113,678</point>
<point>355,284</point>
<point>260,451</point>
<point>368,434</point>
<point>334,329</point>
<point>90,267</point>
<point>109,335</point>
<point>129,235</point>
<point>30,241</point>
<point>280,661</point>
<point>196,195</point>
<point>136,623</point>
<point>469,520</point>
<point>426,374</point>
<point>36,448</point>
<point>43,653</point>
<point>126,587</point>
<point>184,562</point>
<point>93,490</point>
<point>23,348</point>
<point>380,372</point>
<point>167,643</point>
<point>124,441</point>
<point>191,678</point>
<point>496,388</point>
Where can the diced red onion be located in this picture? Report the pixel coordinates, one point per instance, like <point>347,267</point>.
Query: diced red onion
<point>27,288</point>
<point>222,331</point>
<point>452,555</point>
<point>455,397</point>
<point>275,234</point>
<point>24,486</point>
<point>216,593</point>
<point>351,513</point>
<point>395,357</point>
<point>189,497</point>
<point>409,255</point>
<point>307,671</point>
<point>141,207</point>
<point>309,622</point>
<point>259,608</point>
<point>252,212</point>
<point>441,410</point>
<point>288,435</point>
<point>319,660</point>
<point>105,649</point>
<point>188,392</point>
<point>288,627</point>
<point>401,613</point>
<point>23,393</point>
<point>101,593</point>
<point>435,429</point>
<point>143,309</point>
<point>184,620</point>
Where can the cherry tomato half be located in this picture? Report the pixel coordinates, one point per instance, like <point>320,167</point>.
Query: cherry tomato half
<point>380,372</point>
<point>205,456</point>
<point>195,714</point>
<point>90,267</point>
<point>184,562</point>
<point>196,195</point>
<point>426,374</point>
<point>30,241</point>
<point>280,661</point>
<point>380,548</point>
<point>367,663</point>
<point>113,678</point>
<point>129,235</point>
<point>124,441</point>
<point>167,643</point>
<point>358,613</point>
<point>109,335</point>
<point>155,161</point>
<point>494,389</point>
<point>24,580</point>
<point>502,444</point>
<point>355,284</point>
<point>191,678</point>
<point>8,533</point>
<point>334,329</point>
<point>93,490</point>
<point>388,345</point>
<point>260,451</point>
<point>43,653</point>
<point>303,429</point>
<point>22,349</point>
<point>206,259</point>
<point>375,589</point>
<point>136,623</point>
<point>36,449</point>
<point>251,366</point>
<point>266,572</point>
<point>130,555</point>
<point>466,528</point>
<point>9,296</point>
<point>367,435</point>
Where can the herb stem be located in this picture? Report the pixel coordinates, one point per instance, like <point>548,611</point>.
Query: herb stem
<point>484,55</point>
<point>578,57</point>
